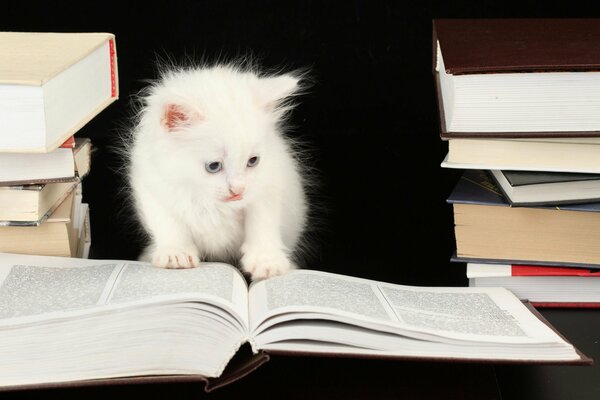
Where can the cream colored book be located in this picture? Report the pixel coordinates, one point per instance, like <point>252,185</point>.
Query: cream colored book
<point>579,155</point>
<point>54,237</point>
<point>29,204</point>
<point>84,241</point>
<point>52,84</point>
<point>32,204</point>
<point>59,165</point>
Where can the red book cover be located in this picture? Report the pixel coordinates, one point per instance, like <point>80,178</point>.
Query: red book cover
<point>69,143</point>
<point>532,270</point>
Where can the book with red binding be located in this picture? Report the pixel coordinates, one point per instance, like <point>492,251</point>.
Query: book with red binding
<point>543,286</point>
<point>52,85</point>
<point>488,229</point>
<point>69,143</point>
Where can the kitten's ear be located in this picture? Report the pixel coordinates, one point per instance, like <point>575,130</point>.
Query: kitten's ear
<point>272,90</point>
<point>177,117</point>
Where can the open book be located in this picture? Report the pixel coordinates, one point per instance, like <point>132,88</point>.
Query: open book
<point>71,321</point>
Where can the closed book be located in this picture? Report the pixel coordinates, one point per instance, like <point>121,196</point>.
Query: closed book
<point>517,77</point>
<point>82,155</point>
<point>84,232</point>
<point>547,188</point>
<point>486,227</point>
<point>32,204</point>
<point>59,165</point>
<point>54,237</point>
<point>51,84</point>
<point>542,286</point>
<point>574,155</point>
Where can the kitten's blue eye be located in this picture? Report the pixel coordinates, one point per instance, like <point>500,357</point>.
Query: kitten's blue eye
<point>253,161</point>
<point>213,167</point>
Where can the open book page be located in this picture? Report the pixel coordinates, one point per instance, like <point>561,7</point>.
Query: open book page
<point>65,319</point>
<point>447,314</point>
<point>35,288</point>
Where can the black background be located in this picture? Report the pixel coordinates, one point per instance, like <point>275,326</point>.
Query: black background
<point>369,118</point>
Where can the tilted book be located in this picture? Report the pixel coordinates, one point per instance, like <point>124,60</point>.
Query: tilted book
<point>30,204</point>
<point>517,77</point>
<point>56,236</point>
<point>52,84</point>
<point>487,228</point>
<point>547,188</point>
<point>80,322</point>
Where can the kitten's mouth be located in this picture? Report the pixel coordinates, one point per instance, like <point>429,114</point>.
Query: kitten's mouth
<point>234,197</point>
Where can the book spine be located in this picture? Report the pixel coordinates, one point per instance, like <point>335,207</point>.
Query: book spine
<point>113,74</point>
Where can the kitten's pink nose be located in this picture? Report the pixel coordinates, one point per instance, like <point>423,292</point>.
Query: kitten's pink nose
<point>237,185</point>
<point>237,190</point>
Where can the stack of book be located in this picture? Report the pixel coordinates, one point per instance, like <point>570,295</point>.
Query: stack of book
<point>51,85</point>
<point>519,104</point>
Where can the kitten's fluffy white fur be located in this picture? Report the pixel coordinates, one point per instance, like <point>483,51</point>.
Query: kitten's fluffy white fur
<point>252,209</point>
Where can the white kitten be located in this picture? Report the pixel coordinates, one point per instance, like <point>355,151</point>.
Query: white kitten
<point>211,174</point>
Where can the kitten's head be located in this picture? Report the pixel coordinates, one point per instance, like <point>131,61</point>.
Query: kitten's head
<point>217,129</point>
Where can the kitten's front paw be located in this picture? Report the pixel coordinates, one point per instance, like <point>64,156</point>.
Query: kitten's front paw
<point>265,264</point>
<point>175,258</point>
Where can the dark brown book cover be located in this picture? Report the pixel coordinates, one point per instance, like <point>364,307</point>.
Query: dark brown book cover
<point>476,46</point>
<point>519,45</point>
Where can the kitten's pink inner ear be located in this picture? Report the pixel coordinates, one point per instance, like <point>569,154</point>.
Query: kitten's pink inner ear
<point>177,117</point>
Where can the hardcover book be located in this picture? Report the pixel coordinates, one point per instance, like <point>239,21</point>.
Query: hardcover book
<point>51,84</point>
<point>30,205</point>
<point>118,321</point>
<point>58,235</point>
<point>517,77</point>
<point>542,286</point>
<point>486,227</point>
<point>573,155</point>
<point>59,165</point>
<point>547,188</point>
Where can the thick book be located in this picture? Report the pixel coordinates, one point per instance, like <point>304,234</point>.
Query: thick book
<point>91,321</point>
<point>486,227</point>
<point>59,165</point>
<point>30,205</point>
<point>58,235</point>
<point>52,84</point>
<point>542,286</point>
<point>547,188</point>
<point>517,77</point>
